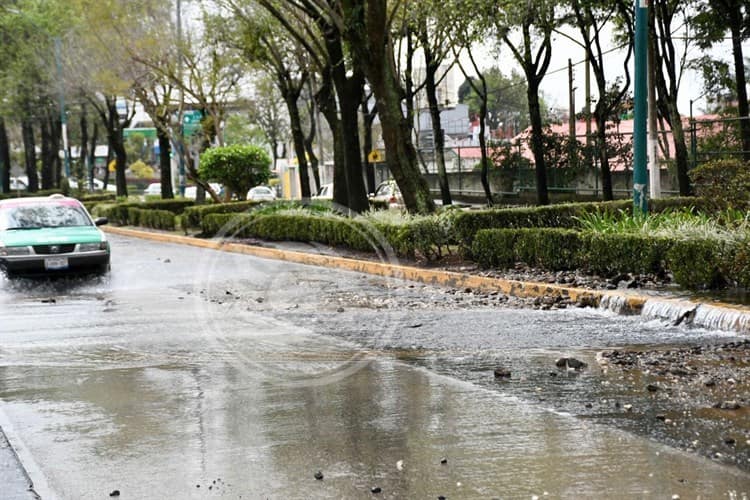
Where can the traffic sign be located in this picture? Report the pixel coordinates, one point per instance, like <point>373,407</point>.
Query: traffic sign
<point>191,122</point>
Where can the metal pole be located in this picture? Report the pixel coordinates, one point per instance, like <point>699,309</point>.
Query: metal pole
<point>640,174</point>
<point>181,134</point>
<point>61,95</point>
<point>653,150</point>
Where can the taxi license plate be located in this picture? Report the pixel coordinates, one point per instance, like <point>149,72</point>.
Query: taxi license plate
<point>55,263</point>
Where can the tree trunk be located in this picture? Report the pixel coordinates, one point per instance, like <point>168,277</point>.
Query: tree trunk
<point>121,159</point>
<point>349,89</point>
<point>438,139</point>
<point>56,136</point>
<point>537,142</point>
<point>739,71</point>
<point>83,158</point>
<point>680,149</point>
<point>27,132</point>
<point>601,139</point>
<point>298,138</point>
<point>370,40</point>
<point>437,136</point>
<point>666,85</point>
<point>483,147</point>
<point>327,104</point>
<point>92,154</point>
<point>367,145</point>
<point>48,161</point>
<point>4,157</point>
<point>165,162</point>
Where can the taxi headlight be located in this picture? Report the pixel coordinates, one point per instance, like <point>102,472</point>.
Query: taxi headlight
<point>10,251</point>
<point>92,247</point>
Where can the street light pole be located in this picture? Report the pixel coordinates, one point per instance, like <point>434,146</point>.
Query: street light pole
<point>63,115</point>
<point>640,97</point>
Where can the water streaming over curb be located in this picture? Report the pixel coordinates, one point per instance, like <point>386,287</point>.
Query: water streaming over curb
<point>714,317</point>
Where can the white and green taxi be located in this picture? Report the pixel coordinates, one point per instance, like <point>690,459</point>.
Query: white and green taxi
<point>50,235</point>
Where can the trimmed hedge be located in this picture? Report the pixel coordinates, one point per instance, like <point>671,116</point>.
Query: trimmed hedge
<point>467,224</point>
<point>119,213</point>
<point>156,219</point>
<point>701,263</point>
<point>193,216</point>
<point>617,253</point>
<point>421,238</point>
<point>551,248</point>
<point>694,263</point>
<point>329,230</point>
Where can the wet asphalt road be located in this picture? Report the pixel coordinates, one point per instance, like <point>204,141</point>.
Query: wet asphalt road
<point>190,373</point>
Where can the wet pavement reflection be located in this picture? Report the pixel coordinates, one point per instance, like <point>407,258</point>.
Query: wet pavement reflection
<point>243,384</point>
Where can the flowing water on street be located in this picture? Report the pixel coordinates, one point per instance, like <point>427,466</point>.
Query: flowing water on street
<point>161,382</point>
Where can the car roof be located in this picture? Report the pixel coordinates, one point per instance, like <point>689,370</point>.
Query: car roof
<point>36,200</point>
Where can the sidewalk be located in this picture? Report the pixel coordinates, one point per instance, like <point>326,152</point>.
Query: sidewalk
<point>14,482</point>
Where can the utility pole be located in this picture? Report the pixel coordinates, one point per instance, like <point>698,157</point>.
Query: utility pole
<point>654,176</point>
<point>640,97</point>
<point>180,135</point>
<point>589,159</point>
<point>61,96</point>
<point>573,160</point>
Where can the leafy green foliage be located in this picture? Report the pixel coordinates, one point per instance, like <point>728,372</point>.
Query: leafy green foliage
<point>700,263</point>
<point>506,100</point>
<point>237,167</point>
<point>156,219</point>
<point>724,183</point>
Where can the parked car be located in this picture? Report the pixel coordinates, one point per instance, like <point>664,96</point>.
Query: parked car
<point>261,193</point>
<point>50,235</point>
<point>324,193</point>
<point>18,184</point>
<point>153,189</point>
<point>387,195</point>
<point>98,185</point>
<point>192,191</point>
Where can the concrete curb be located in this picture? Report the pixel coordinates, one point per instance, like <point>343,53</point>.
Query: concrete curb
<point>732,317</point>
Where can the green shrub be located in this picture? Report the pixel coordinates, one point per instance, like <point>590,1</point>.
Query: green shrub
<point>193,216</point>
<point>562,249</point>
<point>611,253</point>
<point>724,183</point>
<point>157,219</point>
<point>740,265</point>
<point>176,206</point>
<point>565,216</point>
<point>237,167</point>
<point>550,248</point>
<point>559,216</point>
<point>700,263</point>
<point>495,247</point>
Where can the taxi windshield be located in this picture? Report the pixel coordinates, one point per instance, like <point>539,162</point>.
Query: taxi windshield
<point>41,215</point>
